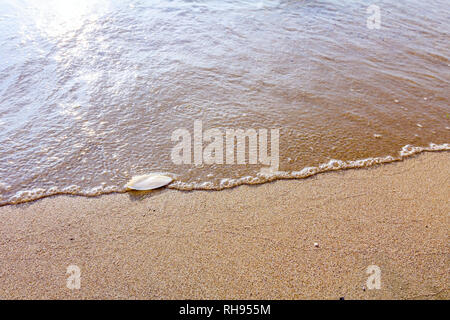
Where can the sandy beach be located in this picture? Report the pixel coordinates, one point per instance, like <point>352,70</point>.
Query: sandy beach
<point>250,242</point>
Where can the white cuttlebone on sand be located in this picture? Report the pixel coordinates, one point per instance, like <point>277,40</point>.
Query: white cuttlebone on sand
<point>148,182</point>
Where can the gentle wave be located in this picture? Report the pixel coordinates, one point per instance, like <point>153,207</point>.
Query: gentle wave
<point>91,95</point>
<point>332,165</point>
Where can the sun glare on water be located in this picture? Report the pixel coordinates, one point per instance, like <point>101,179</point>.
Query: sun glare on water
<point>56,18</point>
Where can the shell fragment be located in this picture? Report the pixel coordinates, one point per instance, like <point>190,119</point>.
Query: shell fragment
<point>148,182</point>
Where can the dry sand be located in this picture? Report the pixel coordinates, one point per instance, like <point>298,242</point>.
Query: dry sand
<point>248,242</point>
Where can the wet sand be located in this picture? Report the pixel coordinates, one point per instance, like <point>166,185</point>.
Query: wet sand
<point>248,242</point>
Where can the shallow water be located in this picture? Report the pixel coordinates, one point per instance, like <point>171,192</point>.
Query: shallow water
<point>92,90</point>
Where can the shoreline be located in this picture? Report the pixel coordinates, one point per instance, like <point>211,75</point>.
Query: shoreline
<point>248,242</point>
<point>407,152</point>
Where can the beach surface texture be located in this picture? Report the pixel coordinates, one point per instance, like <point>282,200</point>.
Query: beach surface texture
<point>291,239</point>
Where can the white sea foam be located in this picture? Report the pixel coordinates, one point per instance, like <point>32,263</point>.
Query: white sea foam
<point>332,165</point>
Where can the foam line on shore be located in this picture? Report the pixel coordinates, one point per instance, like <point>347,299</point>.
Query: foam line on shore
<point>332,165</point>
